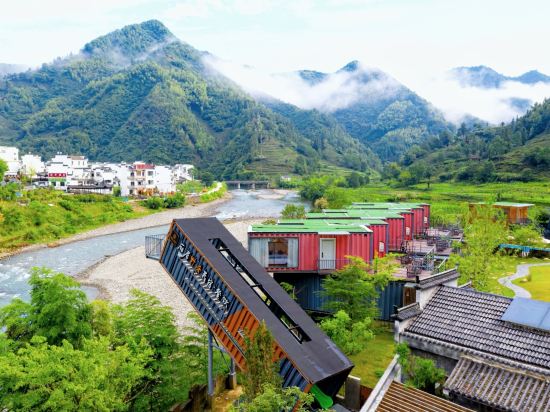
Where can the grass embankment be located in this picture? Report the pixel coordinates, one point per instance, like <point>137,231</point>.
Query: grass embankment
<point>448,200</point>
<point>507,267</point>
<point>372,361</point>
<point>537,282</point>
<point>44,215</point>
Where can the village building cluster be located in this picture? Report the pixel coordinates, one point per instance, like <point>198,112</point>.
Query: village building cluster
<point>76,174</point>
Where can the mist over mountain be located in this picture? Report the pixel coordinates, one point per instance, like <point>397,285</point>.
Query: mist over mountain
<point>140,93</point>
<point>487,78</point>
<point>6,69</point>
<point>370,105</point>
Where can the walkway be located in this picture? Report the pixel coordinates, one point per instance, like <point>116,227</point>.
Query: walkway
<point>521,271</point>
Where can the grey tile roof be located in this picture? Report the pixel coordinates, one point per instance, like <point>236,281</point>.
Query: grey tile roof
<point>409,311</point>
<point>438,279</point>
<point>499,386</point>
<point>472,319</point>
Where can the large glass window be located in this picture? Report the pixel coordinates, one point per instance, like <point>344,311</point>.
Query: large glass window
<point>275,252</point>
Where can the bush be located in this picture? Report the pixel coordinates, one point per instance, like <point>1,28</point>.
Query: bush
<point>174,201</point>
<point>291,211</point>
<point>153,203</point>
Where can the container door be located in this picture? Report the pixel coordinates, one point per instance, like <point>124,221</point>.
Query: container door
<point>328,254</point>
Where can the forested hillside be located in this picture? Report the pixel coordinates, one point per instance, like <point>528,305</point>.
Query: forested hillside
<point>382,113</point>
<point>519,151</point>
<point>139,93</point>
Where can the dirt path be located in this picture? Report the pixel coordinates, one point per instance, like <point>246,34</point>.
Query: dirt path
<point>521,271</point>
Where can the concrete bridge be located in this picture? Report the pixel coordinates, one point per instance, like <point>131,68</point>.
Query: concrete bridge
<point>247,184</point>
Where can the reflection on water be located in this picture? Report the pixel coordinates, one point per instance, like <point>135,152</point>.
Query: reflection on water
<point>75,257</point>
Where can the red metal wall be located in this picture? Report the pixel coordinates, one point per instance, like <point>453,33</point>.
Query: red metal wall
<point>418,224</point>
<point>380,234</point>
<point>408,224</point>
<point>355,244</point>
<point>427,213</point>
<point>359,244</point>
<point>396,229</point>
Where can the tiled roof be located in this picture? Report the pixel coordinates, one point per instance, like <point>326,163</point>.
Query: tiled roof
<point>472,319</point>
<point>400,398</point>
<point>409,311</point>
<point>438,279</point>
<point>499,386</point>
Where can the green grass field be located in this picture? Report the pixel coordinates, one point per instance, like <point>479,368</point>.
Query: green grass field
<point>372,361</point>
<point>448,200</point>
<point>537,282</point>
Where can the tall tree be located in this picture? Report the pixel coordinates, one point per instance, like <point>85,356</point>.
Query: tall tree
<point>484,230</point>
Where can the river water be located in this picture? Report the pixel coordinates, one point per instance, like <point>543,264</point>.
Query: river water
<point>75,257</point>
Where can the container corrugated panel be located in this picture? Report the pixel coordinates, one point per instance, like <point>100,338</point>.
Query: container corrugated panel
<point>408,225</point>
<point>426,208</point>
<point>396,237</point>
<point>359,244</point>
<point>390,297</point>
<point>308,287</point>
<point>380,239</point>
<point>418,216</point>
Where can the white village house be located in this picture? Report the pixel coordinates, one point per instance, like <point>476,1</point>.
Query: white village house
<point>74,173</point>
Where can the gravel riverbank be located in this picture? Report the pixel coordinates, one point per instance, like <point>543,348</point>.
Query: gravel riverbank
<point>117,275</point>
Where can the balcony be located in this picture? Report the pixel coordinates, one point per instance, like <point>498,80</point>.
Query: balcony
<point>329,265</point>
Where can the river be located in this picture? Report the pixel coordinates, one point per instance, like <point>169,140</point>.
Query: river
<point>76,257</point>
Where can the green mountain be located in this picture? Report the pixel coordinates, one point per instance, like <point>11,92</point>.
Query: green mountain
<point>140,93</point>
<point>516,151</point>
<point>377,110</point>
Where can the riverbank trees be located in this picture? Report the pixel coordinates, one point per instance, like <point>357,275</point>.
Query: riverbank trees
<point>61,352</point>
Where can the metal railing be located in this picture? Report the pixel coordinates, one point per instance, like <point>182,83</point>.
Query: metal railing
<point>153,246</point>
<point>331,264</point>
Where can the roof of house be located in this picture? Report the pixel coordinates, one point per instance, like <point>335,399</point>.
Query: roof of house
<point>437,279</point>
<point>401,398</point>
<point>409,311</point>
<point>309,227</point>
<point>473,320</point>
<point>497,385</point>
<point>512,204</point>
<point>357,214</point>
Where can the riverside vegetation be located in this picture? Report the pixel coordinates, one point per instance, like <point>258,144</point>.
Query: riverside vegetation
<point>61,352</point>
<point>46,215</point>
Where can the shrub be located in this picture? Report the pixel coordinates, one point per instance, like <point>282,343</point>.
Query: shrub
<point>174,201</point>
<point>153,203</point>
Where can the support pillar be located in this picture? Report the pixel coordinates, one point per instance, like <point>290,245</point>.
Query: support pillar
<point>232,378</point>
<point>210,365</point>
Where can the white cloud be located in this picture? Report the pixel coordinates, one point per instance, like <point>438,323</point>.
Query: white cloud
<point>336,91</point>
<point>491,105</point>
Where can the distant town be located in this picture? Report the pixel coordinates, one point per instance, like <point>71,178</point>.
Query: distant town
<point>76,174</point>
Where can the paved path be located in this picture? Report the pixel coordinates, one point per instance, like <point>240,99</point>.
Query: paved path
<point>521,271</point>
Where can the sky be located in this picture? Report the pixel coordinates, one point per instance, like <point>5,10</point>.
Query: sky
<point>412,40</point>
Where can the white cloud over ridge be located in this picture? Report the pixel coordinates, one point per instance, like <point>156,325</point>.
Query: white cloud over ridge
<point>336,91</point>
<point>342,89</point>
<point>492,105</point>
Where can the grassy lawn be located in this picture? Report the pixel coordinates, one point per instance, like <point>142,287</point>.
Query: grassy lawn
<point>371,362</point>
<point>537,282</point>
<point>508,267</point>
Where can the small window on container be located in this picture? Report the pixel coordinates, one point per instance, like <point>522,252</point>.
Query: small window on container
<point>407,231</point>
<point>381,247</point>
